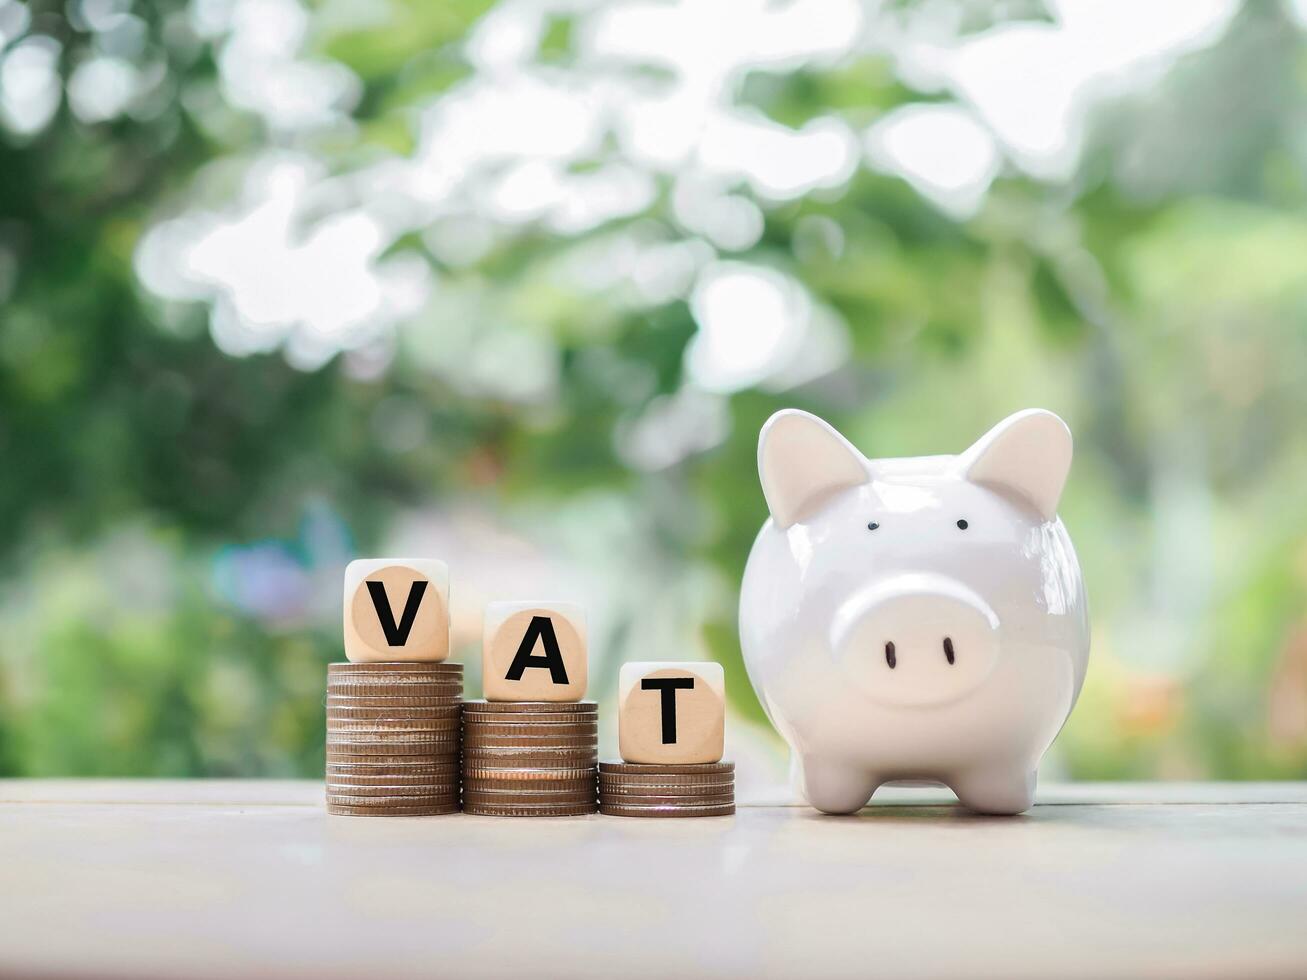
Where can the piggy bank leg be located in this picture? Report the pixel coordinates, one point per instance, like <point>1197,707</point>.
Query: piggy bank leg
<point>833,787</point>
<point>996,790</point>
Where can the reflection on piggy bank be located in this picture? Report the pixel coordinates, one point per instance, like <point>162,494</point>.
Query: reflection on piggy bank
<point>915,619</point>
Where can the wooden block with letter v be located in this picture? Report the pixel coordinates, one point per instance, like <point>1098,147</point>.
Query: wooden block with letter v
<point>671,713</point>
<point>534,651</point>
<point>396,609</point>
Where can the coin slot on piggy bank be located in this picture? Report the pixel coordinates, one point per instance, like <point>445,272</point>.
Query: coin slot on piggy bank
<point>671,712</point>
<point>396,610</point>
<point>534,651</point>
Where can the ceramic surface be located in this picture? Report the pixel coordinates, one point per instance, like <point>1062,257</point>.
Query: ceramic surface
<point>915,619</point>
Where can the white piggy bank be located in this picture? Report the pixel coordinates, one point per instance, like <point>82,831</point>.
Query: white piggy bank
<point>918,619</point>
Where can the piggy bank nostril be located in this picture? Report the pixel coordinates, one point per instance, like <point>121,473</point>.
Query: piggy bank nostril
<point>948,650</point>
<point>889,655</point>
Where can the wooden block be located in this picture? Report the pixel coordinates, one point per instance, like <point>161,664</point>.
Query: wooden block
<point>396,609</point>
<point>671,712</point>
<point>534,651</point>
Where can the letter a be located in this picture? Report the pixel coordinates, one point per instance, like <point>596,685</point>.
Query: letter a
<point>541,628</point>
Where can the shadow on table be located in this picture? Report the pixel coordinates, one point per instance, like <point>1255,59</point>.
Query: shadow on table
<point>937,814</point>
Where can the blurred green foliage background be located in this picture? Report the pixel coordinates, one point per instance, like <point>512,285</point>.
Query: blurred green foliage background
<point>516,284</point>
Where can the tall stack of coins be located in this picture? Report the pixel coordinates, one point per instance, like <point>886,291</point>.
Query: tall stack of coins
<point>393,738</point>
<point>530,758</point>
<point>705,789</point>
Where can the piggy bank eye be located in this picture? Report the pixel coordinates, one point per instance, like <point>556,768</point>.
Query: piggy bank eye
<point>962,524</point>
<point>872,526</point>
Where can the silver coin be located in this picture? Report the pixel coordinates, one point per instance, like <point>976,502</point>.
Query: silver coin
<point>423,769</point>
<point>615,810</point>
<point>397,666</point>
<point>667,769</point>
<point>398,799</point>
<point>530,707</point>
<point>529,810</point>
<point>344,810</point>
<point>526,775</point>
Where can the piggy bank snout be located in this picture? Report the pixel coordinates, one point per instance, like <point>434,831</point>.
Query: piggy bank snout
<point>916,640</point>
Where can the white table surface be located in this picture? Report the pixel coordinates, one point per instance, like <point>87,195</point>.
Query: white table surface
<point>225,879</point>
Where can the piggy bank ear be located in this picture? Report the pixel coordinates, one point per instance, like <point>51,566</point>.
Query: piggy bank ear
<point>802,461</point>
<point>1027,454</point>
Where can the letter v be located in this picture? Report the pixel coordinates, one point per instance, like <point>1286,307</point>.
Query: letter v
<point>396,636</point>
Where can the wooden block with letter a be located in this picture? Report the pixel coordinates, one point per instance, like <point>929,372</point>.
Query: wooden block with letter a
<point>396,609</point>
<point>671,712</point>
<point>534,651</point>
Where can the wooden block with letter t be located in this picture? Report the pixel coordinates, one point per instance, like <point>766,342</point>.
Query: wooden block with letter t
<point>396,609</point>
<point>534,651</point>
<point>671,712</point>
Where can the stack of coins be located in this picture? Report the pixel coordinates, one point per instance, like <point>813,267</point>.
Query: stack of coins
<point>392,738</point>
<point>704,789</point>
<point>530,758</point>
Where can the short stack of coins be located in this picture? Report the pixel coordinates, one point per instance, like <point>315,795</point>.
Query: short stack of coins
<point>393,738</point>
<point>530,758</point>
<point>671,724</point>
<point>705,789</point>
